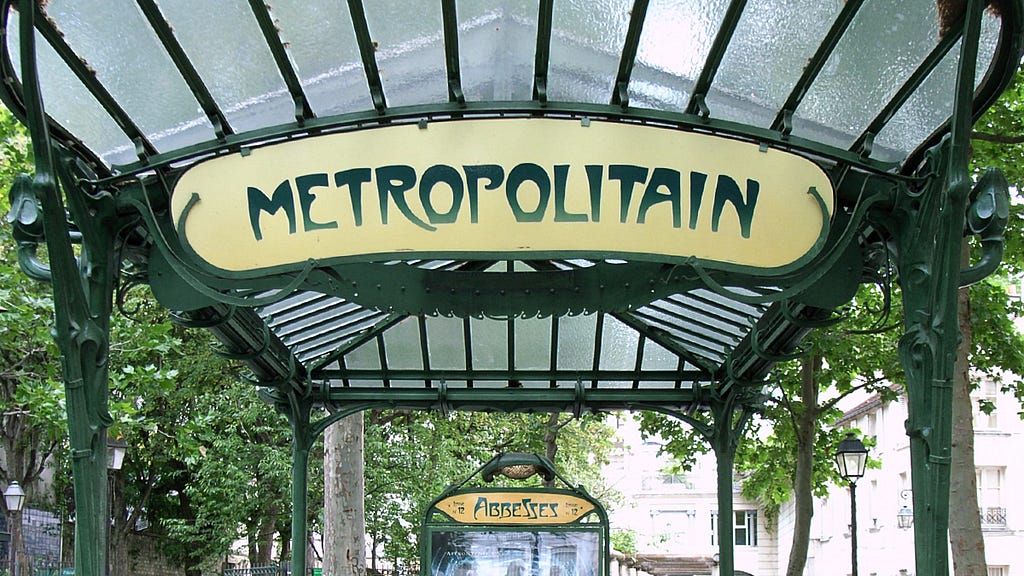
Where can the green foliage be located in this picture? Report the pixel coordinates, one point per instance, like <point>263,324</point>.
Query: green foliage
<point>624,541</point>
<point>411,457</point>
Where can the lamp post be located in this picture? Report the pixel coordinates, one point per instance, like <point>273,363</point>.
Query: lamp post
<point>116,448</point>
<point>852,459</point>
<point>14,499</point>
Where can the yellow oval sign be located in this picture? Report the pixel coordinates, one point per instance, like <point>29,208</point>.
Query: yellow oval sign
<point>514,508</point>
<point>536,187</point>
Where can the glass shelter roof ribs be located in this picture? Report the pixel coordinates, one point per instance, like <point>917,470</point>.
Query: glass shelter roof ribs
<point>738,62</point>
<point>144,90</point>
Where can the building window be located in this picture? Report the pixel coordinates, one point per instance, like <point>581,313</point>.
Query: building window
<point>985,405</point>
<point>744,528</point>
<point>990,497</point>
<point>998,571</point>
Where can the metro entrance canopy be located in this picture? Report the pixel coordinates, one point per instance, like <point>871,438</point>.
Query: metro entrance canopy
<point>507,205</point>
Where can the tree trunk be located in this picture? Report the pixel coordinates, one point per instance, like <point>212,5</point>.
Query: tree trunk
<point>551,443</point>
<point>965,537</point>
<point>803,499</point>
<point>344,520</point>
<point>118,559</point>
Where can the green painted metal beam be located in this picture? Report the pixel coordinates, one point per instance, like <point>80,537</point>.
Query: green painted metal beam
<point>543,51</point>
<point>864,142</point>
<point>450,23</point>
<point>721,43</point>
<point>261,10</point>
<point>368,54</point>
<point>183,63</point>
<point>498,375</point>
<point>784,119</point>
<point>620,92</point>
<point>143,147</point>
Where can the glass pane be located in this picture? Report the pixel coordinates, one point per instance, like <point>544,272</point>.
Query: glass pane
<point>490,344</point>
<point>887,40</point>
<point>115,41</point>
<point>445,343</point>
<point>672,51</point>
<point>322,43</point>
<point>409,38</point>
<point>402,346</point>
<point>576,342</point>
<point>533,343</point>
<point>363,358</point>
<point>586,41</point>
<point>251,96</point>
<point>657,357</point>
<point>618,345</point>
<point>932,103</point>
<point>70,104</point>
<point>496,49</point>
<point>768,52</point>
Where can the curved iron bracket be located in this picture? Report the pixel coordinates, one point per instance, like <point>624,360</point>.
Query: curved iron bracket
<point>987,216</point>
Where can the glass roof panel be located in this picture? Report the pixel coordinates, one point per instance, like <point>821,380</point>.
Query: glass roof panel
<point>932,103</point>
<point>657,357</point>
<point>576,342</point>
<point>496,49</point>
<point>365,357</point>
<point>445,343</point>
<point>618,345</point>
<point>772,44</point>
<point>533,343</point>
<point>402,345</point>
<point>409,39</point>
<point>322,43</point>
<point>886,41</point>
<point>673,47</point>
<point>251,96</point>
<point>70,104</point>
<point>113,38</point>
<point>586,40</point>
<point>489,339</point>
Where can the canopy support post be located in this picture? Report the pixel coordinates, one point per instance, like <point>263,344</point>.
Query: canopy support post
<point>731,417</point>
<point>929,234</point>
<point>298,412</point>
<point>83,288</point>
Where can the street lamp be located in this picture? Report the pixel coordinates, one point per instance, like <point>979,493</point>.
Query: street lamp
<point>14,499</point>
<point>905,517</point>
<point>852,459</point>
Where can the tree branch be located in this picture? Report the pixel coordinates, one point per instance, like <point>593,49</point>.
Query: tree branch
<point>997,138</point>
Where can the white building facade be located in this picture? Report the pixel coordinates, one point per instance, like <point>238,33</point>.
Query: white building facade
<point>673,514</point>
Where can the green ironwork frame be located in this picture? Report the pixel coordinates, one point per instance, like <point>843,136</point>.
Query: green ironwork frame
<point>922,208</point>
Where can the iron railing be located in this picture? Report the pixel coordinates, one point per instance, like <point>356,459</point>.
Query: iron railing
<point>993,517</point>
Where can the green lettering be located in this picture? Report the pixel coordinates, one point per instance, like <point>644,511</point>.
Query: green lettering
<point>354,179</point>
<point>728,191</point>
<point>628,177</point>
<point>662,178</point>
<point>523,173</point>
<point>434,175</point>
<point>595,177</point>
<point>697,181</point>
<point>281,200</point>
<point>394,182</point>
<point>481,504</point>
<point>494,174</point>
<point>561,214</point>
<point>304,184</point>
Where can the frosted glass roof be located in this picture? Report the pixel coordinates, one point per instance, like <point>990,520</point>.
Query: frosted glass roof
<point>192,73</point>
<point>142,89</point>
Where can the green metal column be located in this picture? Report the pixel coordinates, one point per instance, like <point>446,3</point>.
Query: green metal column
<point>83,287</point>
<point>929,234</point>
<point>731,414</point>
<point>298,411</point>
